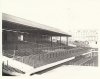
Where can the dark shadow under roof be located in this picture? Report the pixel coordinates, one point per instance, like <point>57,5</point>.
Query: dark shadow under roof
<point>16,23</point>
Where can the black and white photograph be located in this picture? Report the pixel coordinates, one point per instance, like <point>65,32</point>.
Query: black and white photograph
<point>50,39</point>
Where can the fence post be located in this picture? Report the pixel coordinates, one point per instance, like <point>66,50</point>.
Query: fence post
<point>7,63</point>
<point>3,64</point>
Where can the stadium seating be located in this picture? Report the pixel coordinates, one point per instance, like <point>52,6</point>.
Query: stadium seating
<point>37,54</point>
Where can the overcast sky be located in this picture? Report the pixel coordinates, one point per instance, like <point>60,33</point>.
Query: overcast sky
<point>62,14</point>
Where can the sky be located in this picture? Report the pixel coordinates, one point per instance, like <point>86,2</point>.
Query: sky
<point>62,14</point>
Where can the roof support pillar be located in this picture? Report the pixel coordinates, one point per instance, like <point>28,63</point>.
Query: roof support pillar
<point>51,40</point>
<point>37,40</point>
<point>60,40</point>
<point>66,40</point>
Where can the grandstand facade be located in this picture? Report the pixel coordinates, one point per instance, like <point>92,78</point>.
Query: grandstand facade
<point>31,45</point>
